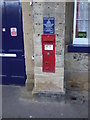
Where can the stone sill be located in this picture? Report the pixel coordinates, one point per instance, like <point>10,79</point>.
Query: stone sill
<point>78,48</point>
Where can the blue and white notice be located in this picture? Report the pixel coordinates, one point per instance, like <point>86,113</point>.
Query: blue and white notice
<point>48,25</point>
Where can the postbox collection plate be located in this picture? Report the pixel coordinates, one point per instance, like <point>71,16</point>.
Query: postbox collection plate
<point>48,47</point>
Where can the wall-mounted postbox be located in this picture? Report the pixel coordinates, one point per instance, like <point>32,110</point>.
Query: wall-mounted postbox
<point>48,52</point>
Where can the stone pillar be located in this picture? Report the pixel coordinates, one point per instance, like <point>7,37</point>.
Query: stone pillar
<point>28,43</point>
<point>49,82</point>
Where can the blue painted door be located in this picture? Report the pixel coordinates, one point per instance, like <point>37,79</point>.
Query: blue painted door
<point>12,52</point>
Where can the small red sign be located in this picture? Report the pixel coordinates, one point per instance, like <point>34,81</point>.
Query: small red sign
<point>13,31</point>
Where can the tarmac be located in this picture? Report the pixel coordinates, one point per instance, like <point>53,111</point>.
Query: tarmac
<point>17,102</point>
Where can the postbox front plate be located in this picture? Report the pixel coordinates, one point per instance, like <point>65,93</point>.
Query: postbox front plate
<point>48,52</point>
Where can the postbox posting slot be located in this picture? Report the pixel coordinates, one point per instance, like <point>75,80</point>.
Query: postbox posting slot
<point>45,40</point>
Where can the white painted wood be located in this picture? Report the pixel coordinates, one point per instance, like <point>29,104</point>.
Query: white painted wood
<point>78,41</point>
<point>7,55</point>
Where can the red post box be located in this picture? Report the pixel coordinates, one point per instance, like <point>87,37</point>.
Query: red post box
<point>48,52</point>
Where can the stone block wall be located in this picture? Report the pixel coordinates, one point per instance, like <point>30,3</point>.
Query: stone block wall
<point>49,82</point>
<point>76,64</point>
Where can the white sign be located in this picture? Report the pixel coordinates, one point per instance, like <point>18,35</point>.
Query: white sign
<point>48,47</point>
<point>13,31</point>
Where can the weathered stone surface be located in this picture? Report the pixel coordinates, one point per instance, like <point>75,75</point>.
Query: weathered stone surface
<point>76,64</point>
<point>27,28</point>
<point>53,85</point>
<point>38,29</point>
<point>38,61</point>
<point>29,66</point>
<point>58,71</point>
<point>38,19</point>
<point>38,50</point>
<point>28,43</point>
<point>76,61</point>
<point>59,61</point>
<point>81,96</point>
<point>49,81</point>
<point>76,80</point>
<point>26,6</point>
<point>29,84</point>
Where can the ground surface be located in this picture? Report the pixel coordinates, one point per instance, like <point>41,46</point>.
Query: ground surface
<point>18,103</point>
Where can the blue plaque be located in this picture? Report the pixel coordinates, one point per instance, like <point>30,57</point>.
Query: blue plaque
<point>48,25</point>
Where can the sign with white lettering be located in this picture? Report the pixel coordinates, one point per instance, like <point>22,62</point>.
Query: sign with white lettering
<point>48,25</point>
